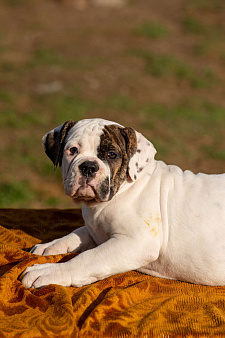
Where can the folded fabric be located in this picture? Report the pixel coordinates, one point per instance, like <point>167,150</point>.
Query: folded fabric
<point>126,305</point>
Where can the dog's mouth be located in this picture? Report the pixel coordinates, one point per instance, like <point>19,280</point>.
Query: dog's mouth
<point>86,193</point>
<point>87,189</point>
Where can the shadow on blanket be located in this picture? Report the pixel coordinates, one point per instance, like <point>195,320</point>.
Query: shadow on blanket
<point>129,304</point>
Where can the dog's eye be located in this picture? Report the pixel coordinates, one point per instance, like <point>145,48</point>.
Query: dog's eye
<point>111,155</point>
<point>73,150</point>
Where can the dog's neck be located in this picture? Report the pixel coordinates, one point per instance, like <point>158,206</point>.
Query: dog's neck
<point>93,208</point>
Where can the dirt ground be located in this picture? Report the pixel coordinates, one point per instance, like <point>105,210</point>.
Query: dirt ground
<point>158,66</point>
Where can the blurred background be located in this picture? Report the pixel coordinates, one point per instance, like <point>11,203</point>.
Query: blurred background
<point>157,66</point>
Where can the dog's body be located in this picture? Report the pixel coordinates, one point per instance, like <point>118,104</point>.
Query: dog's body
<point>139,213</point>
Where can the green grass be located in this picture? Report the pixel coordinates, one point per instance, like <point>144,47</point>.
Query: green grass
<point>169,65</point>
<point>67,107</point>
<point>11,118</point>
<point>15,194</point>
<point>53,202</point>
<point>161,65</point>
<point>202,48</point>
<point>119,102</point>
<point>46,56</point>
<point>203,78</point>
<point>195,26</point>
<point>194,117</point>
<point>176,126</point>
<point>180,122</point>
<point>214,5</point>
<point>203,113</point>
<point>214,153</point>
<point>6,96</point>
<point>151,30</point>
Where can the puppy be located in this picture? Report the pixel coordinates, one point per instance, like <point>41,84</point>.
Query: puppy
<point>139,213</point>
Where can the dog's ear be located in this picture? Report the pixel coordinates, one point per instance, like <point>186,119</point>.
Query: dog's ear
<point>140,151</point>
<point>54,142</point>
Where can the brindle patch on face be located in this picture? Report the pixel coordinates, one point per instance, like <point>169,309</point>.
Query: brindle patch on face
<point>123,143</point>
<point>104,189</point>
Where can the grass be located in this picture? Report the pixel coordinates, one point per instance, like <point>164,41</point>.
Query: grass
<point>195,26</point>
<point>15,194</point>
<point>119,102</point>
<point>202,48</point>
<point>11,118</point>
<point>46,57</point>
<point>179,127</point>
<point>210,32</point>
<point>214,153</point>
<point>6,96</point>
<point>202,113</point>
<point>214,5</point>
<point>183,115</point>
<point>169,65</point>
<point>53,202</point>
<point>162,65</point>
<point>192,118</point>
<point>153,30</point>
<point>8,118</point>
<point>66,107</point>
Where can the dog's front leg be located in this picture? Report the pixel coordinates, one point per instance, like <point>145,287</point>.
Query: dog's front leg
<point>78,240</point>
<point>117,255</point>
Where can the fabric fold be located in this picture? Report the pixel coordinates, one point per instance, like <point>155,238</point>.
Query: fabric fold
<point>125,305</point>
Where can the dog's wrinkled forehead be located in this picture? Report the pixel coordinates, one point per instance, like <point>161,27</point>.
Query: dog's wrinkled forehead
<point>88,132</point>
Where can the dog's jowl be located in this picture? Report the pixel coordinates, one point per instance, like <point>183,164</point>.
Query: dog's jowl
<point>139,213</point>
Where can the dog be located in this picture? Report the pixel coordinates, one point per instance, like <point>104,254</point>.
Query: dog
<point>140,214</point>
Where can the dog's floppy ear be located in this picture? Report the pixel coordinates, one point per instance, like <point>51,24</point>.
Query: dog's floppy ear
<point>140,152</point>
<point>54,142</point>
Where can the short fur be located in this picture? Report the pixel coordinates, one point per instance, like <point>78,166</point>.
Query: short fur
<point>139,213</point>
<point>123,141</point>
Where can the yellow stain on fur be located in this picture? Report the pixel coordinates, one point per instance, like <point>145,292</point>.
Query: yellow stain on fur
<point>151,221</point>
<point>148,223</point>
<point>154,231</point>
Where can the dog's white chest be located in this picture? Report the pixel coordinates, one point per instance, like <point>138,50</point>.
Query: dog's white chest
<point>98,224</point>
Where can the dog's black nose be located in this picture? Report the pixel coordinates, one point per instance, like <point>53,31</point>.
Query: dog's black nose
<point>89,168</point>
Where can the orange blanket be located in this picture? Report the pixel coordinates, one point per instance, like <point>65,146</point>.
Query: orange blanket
<point>126,305</point>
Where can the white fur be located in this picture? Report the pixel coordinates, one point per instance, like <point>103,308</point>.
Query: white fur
<point>168,223</point>
<point>85,135</point>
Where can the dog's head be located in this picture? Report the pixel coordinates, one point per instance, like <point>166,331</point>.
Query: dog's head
<point>96,157</point>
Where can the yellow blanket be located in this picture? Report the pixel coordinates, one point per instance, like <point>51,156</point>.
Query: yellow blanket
<point>126,305</point>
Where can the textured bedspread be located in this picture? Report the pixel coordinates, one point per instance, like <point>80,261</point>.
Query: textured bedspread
<point>126,305</point>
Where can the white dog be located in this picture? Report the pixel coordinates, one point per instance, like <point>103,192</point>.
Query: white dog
<point>139,213</point>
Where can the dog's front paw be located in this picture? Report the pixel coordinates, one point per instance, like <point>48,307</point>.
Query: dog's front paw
<point>58,246</point>
<point>40,275</point>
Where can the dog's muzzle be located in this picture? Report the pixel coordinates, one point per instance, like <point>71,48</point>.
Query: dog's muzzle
<point>88,169</point>
<point>87,182</point>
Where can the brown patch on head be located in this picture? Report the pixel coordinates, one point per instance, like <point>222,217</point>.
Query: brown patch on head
<point>117,146</point>
<point>54,142</point>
